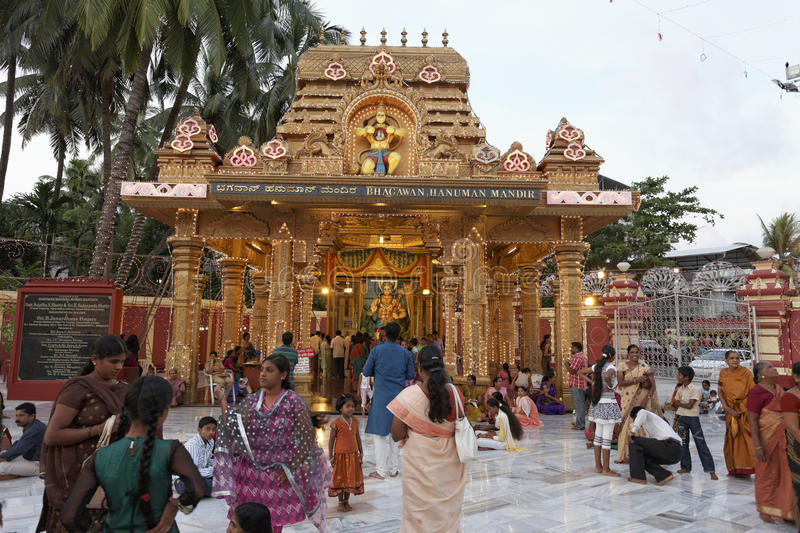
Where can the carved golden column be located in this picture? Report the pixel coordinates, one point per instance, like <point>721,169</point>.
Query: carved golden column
<point>281,288</point>
<point>232,278</point>
<point>449,287</point>
<point>492,325</point>
<point>506,285</point>
<point>305,283</point>
<point>187,250</point>
<point>258,326</point>
<point>569,263</point>
<point>428,313</point>
<point>555,334</point>
<point>531,305</point>
<point>470,252</point>
<point>200,281</point>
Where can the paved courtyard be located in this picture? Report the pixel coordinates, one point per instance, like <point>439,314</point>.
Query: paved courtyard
<point>551,487</point>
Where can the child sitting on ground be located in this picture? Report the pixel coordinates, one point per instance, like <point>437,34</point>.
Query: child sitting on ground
<point>345,453</point>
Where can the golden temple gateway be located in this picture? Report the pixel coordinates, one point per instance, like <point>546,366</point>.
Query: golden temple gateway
<point>381,190</point>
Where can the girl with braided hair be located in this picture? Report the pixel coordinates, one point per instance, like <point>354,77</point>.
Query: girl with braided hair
<point>136,470</point>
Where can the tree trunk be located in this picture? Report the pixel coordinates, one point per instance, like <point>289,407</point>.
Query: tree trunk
<point>105,228</point>
<point>62,155</point>
<point>138,224</point>
<point>8,123</point>
<point>107,90</point>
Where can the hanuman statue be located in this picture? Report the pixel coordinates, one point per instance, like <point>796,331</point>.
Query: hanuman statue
<point>380,160</point>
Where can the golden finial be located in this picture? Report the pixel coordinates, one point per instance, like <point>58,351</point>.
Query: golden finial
<point>444,38</point>
<point>424,37</point>
<point>363,36</point>
<point>342,39</point>
<point>403,39</point>
<point>383,36</point>
<point>321,35</point>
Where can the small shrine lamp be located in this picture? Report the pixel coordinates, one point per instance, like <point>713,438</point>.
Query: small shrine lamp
<point>765,252</point>
<point>589,301</point>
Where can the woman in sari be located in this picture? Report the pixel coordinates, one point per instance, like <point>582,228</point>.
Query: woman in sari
<point>638,389</point>
<point>433,475</point>
<point>774,495</point>
<point>267,452</point>
<point>735,383</point>
<point>546,400</point>
<point>547,353</point>
<point>178,387</point>
<point>506,375</point>
<point>497,386</point>
<point>473,400</point>
<point>81,410</point>
<point>790,407</point>
<point>525,410</point>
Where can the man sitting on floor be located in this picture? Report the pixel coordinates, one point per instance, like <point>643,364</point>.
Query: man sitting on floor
<point>662,446</point>
<point>201,448</point>
<point>22,458</point>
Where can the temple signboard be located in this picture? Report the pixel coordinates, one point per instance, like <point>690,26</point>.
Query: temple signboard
<point>380,192</point>
<point>57,323</point>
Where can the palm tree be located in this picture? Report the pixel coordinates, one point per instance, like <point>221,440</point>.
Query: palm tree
<point>783,235</point>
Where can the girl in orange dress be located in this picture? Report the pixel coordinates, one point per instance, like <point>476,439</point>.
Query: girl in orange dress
<point>345,452</point>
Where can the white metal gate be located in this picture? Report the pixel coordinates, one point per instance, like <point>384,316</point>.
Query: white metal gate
<point>681,329</point>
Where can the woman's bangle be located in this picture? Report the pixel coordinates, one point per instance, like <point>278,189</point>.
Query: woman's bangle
<point>759,447</point>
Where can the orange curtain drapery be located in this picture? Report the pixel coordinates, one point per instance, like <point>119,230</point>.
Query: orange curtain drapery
<point>335,266</point>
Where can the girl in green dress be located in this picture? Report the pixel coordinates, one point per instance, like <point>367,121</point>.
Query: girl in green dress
<point>136,470</point>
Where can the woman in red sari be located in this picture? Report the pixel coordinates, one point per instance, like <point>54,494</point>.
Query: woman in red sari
<point>774,493</point>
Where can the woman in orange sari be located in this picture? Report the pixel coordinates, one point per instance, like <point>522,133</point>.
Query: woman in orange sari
<point>525,410</point>
<point>790,405</point>
<point>774,494</point>
<point>734,384</point>
<point>433,475</point>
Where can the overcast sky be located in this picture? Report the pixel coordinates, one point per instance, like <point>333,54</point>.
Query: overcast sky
<point>649,107</point>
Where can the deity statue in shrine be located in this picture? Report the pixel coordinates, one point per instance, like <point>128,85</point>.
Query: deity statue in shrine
<point>386,308</point>
<point>381,159</point>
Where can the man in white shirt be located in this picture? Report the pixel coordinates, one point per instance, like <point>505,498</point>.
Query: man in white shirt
<point>662,446</point>
<point>338,348</point>
<point>201,448</point>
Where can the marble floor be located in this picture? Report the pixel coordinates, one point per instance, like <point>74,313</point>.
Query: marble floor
<point>551,487</point>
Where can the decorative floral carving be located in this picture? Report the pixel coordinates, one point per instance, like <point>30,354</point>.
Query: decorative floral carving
<point>429,74</point>
<point>243,156</point>
<point>382,58</point>
<point>663,281</point>
<point>593,284</point>
<point>570,133</point>
<point>182,143</point>
<point>589,198</point>
<point>274,149</point>
<point>718,276</point>
<point>548,140</point>
<point>485,153</point>
<point>574,152</point>
<point>516,162</point>
<point>335,71</point>
<point>212,134</point>
<point>189,127</point>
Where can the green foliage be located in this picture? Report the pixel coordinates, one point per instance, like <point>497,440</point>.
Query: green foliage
<point>643,237</point>
<point>7,329</point>
<point>782,234</point>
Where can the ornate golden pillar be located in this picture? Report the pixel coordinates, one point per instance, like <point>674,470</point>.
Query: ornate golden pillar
<point>428,313</point>
<point>187,250</point>
<point>306,284</point>
<point>200,281</point>
<point>569,263</point>
<point>259,325</point>
<point>492,326</point>
<point>449,287</point>
<point>232,278</point>
<point>531,304</point>
<point>470,252</point>
<point>506,285</point>
<point>281,288</point>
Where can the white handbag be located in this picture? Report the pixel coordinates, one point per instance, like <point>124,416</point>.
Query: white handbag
<point>466,441</point>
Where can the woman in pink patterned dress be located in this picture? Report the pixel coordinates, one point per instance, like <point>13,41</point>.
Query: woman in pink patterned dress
<point>267,452</point>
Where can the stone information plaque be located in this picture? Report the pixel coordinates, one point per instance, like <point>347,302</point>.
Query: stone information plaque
<point>57,333</point>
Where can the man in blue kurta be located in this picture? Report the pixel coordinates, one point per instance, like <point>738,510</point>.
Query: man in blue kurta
<point>391,365</point>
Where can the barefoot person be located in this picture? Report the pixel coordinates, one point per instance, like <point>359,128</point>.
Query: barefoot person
<point>661,446</point>
<point>734,384</point>
<point>391,365</point>
<point>774,494</point>
<point>604,410</point>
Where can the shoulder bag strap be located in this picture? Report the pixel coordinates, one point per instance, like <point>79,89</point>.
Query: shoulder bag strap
<point>459,408</point>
